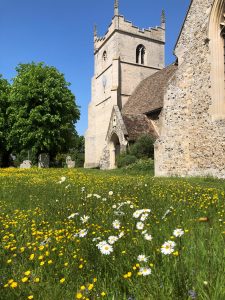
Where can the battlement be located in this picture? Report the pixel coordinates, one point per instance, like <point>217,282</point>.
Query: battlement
<point>120,24</point>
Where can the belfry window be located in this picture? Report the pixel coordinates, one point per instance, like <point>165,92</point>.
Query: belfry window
<point>140,54</point>
<point>104,56</point>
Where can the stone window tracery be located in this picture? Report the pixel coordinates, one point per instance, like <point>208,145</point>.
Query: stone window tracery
<point>222,33</point>
<point>140,54</point>
<point>217,59</point>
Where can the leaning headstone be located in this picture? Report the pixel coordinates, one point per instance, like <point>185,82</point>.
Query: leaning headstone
<point>70,163</point>
<point>43,160</point>
<point>26,164</point>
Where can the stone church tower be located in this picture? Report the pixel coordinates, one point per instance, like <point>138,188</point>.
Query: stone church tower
<point>124,57</point>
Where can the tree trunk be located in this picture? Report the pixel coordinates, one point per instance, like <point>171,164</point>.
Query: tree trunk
<point>5,159</point>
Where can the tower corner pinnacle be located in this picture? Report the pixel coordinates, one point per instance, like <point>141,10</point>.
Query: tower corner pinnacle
<point>116,7</point>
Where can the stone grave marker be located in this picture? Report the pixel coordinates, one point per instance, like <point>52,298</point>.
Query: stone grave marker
<point>43,160</point>
<point>26,164</point>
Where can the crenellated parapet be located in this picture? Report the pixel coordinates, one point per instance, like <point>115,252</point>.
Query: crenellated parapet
<point>120,24</point>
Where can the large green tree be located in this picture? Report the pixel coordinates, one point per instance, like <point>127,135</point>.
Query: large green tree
<point>42,110</point>
<point>4,126</point>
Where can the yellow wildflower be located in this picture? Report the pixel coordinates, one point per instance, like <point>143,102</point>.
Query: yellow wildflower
<point>90,287</point>
<point>27,273</point>
<point>62,280</point>
<point>14,284</point>
<point>31,257</point>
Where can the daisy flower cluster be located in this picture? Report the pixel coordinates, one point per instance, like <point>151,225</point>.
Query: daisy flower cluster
<point>76,234</point>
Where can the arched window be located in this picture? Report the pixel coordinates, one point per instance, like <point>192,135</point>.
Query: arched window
<point>222,33</point>
<point>216,37</point>
<point>104,56</point>
<point>140,54</point>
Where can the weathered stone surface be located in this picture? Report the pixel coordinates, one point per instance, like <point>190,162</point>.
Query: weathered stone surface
<point>26,164</point>
<point>116,76</point>
<point>192,140</point>
<point>116,142</point>
<point>43,160</point>
<point>70,163</point>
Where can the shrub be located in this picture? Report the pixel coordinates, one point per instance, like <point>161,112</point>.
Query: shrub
<point>142,165</point>
<point>125,159</point>
<point>143,147</point>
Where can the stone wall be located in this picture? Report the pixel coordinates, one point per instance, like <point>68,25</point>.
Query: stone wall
<point>116,76</point>
<point>191,142</point>
<point>118,128</point>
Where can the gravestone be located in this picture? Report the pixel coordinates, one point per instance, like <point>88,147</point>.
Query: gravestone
<point>26,164</point>
<point>43,160</point>
<point>70,163</point>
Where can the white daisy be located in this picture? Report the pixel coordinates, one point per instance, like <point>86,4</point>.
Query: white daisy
<point>84,219</point>
<point>140,225</point>
<point>168,247</point>
<point>172,243</point>
<point>147,237</point>
<point>147,210</point>
<point>62,179</point>
<point>106,249</point>
<point>110,193</point>
<point>82,233</point>
<point>137,213</point>
<point>112,239</point>
<point>73,215</point>
<point>178,232</point>
<point>144,217</point>
<point>142,258</point>
<point>121,234</point>
<point>116,224</point>
<point>97,196</point>
<point>101,244</point>
<point>145,271</point>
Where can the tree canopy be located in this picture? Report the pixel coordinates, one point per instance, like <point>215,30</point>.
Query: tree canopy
<point>42,110</point>
<point>4,126</point>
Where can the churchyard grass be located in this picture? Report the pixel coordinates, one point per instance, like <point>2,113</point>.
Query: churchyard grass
<point>77,234</point>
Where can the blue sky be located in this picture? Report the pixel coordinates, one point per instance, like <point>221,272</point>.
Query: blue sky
<point>60,33</point>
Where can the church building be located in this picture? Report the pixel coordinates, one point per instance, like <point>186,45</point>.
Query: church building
<point>182,105</point>
<point>192,136</point>
<point>124,57</point>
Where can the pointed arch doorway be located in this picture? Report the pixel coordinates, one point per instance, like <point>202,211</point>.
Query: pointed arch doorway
<point>114,150</point>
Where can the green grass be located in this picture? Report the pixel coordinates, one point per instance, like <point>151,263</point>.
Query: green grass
<point>34,211</point>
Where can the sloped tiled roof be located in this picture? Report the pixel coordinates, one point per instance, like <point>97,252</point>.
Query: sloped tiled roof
<point>149,94</point>
<point>138,125</point>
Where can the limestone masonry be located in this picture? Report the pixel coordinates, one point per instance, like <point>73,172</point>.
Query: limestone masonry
<point>123,58</point>
<point>192,137</point>
<point>182,105</point>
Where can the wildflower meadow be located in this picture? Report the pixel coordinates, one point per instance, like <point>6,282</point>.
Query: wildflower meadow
<point>76,234</point>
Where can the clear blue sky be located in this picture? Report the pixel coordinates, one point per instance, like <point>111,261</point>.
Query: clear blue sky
<point>60,33</point>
